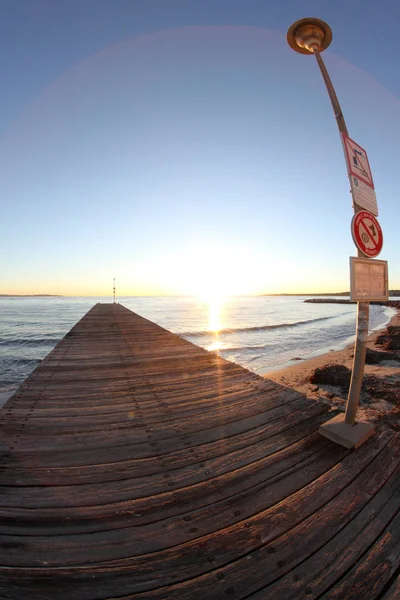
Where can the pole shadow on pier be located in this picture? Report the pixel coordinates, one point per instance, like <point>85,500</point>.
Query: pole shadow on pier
<point>135,465</point>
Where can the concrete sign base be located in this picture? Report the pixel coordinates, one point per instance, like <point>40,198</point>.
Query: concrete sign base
<point>349,436</point>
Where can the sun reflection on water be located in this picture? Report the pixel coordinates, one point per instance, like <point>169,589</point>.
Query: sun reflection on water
<point>215,305</point>
<point>214,315</point>
<point>216,344</point>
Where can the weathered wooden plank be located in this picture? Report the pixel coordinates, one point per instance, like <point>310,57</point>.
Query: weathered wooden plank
<point>170,531</point>
<point>393,593</point>
<point>368,578</point>
<point>252,403</point>
<point>138,468</point>
<point>67,509</point>
<point>187,459</point>
<point>201,559</point>
<point>210,442</point>
<point>327,544</point>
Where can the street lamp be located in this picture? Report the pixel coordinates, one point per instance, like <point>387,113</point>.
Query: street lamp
<point>312,36</point>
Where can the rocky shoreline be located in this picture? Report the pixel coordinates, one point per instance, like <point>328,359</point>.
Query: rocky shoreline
<point>327,378</point>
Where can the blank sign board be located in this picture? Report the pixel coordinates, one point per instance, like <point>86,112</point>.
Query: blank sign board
<point>368,279</point>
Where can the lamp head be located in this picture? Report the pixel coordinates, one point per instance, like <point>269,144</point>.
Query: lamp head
<point>309,35</point>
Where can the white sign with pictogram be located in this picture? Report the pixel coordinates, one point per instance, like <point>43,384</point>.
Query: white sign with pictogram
<point>362,184</point>
<point>363,195</point>
<point>367,233</point>
<point>357,161</point>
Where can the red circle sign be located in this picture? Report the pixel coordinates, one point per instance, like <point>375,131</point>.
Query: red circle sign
<point>367,233</point>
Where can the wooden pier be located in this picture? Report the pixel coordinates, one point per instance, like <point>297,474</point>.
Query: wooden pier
<point>135,465</point>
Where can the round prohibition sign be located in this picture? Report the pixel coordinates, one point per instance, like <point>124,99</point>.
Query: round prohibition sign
<point>367,233</point>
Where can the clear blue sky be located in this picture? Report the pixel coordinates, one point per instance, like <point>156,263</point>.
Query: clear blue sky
<point>182,146</point>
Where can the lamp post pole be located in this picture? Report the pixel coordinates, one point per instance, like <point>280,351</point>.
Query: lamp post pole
<point>312,36</point>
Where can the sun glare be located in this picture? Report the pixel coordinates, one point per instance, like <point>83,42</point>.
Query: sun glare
<point>214,315</point>
<point>215,305</point>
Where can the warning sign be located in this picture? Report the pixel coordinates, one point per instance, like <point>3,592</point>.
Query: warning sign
<point>357,161</point>
<point>367,233</point>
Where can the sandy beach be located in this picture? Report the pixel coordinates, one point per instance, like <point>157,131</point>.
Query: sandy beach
<point>380,397</point>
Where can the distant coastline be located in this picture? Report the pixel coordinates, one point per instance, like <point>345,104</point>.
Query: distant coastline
<point>314,294</point>
<point>31,296</point>
<point>393,293</point>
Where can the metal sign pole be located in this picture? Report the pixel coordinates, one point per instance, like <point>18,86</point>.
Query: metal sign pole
<point>312,36</point>
<point>360,348</point>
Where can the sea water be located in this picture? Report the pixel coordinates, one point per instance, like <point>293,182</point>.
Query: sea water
<point>260,333</point>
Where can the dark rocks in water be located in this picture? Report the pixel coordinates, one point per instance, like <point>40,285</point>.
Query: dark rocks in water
<point>392,303</point>
<point>374,357</point>
<point>328,301</point>
<point>332,375</point>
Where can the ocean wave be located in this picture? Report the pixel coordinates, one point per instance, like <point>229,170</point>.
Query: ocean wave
<point>13,370</point>
<point>253,329</point>
<point>15,361</point>
<point>244,348</point>
<point>6,389</point>
<point>29,342</point>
